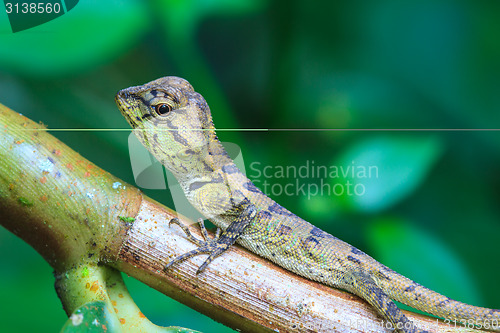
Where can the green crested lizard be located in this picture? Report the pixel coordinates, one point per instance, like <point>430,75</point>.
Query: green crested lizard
<point>174,123</point>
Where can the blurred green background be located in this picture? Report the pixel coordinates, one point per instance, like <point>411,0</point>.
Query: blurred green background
<point>432,214</point>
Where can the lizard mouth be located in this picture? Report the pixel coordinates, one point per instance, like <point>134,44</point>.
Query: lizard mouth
<point>129,108</point>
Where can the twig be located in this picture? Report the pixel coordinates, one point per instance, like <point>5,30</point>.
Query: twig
<point>74,213</point>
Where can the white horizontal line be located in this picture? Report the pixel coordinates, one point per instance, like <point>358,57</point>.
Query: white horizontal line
<point>276,129</point>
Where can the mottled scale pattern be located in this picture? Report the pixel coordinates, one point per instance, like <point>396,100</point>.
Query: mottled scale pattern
<point>184,140</point>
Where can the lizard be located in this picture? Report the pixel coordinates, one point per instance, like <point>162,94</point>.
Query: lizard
<point>175,124</point>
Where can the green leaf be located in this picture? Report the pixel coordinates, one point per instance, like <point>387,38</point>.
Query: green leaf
<point>91,317</point>
<point>420,256</point>
<point>90,34</point>
<point>382,171</point>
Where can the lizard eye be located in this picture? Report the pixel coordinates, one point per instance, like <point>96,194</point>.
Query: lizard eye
<point>162,109</point>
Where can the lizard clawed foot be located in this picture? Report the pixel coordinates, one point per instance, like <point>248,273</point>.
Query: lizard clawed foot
<point>213,246</point>
<point>190,236</point>
<point>243,214</point>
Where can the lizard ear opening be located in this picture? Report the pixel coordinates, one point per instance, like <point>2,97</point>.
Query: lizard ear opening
<point>162,109</point>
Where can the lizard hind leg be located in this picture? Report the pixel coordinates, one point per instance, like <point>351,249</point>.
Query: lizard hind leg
<point>207,245</point>
<point>366,287</point>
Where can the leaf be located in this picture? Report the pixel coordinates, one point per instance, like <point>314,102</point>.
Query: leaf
<point>91,317</point>
<point>90,34</point>
<point>377,173</point>
<point>413,252</point>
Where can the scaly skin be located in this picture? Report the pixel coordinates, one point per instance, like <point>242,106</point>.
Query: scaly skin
<point>174,123</point>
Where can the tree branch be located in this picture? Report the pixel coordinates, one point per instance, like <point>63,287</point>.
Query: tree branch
<point>69,210</point>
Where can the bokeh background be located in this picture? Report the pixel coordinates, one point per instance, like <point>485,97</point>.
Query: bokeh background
<point>432,214</point>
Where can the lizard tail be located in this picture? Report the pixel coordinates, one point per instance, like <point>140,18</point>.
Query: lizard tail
<point>427,300</point>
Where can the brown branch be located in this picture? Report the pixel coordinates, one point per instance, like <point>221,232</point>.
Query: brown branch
<point>67,209</point>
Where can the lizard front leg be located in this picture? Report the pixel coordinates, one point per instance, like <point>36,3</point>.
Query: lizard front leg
<point>241,216</point>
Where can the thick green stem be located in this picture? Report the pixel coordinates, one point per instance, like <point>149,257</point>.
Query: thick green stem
<point>69,210</point>
<point>58,202</point>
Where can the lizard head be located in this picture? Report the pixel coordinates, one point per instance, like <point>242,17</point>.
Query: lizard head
<point>171,120</point>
